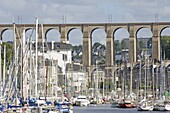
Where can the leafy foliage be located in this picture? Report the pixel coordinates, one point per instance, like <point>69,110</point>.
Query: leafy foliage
<point>117,45</point>
<point>9,51</point>
<point>99,49</point>
<point>165,46</point>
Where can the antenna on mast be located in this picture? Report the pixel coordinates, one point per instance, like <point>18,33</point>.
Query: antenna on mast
<point>64,19</point>
<point>110,18</point>
<point>156,17</point>
<point>18,19</point>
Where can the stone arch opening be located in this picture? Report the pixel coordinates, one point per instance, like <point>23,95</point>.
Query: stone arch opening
<point>165,43</point>
<point>121,45</point>
<point>143,43</point>
<point>75,37</point>
<point>52,35</point>
<point>121,52</point>
<point>7,35</point>
<point>30,34</point>
<point>98,46</point>
<point>98,80</point>
<point>165,53</point>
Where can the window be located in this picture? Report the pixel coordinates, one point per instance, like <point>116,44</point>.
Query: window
<point>64,57</point>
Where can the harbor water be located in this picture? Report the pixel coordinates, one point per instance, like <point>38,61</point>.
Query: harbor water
<point>107,109</point>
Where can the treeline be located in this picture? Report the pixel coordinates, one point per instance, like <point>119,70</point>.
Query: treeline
<point>119,45</point>
<point>165,47</point>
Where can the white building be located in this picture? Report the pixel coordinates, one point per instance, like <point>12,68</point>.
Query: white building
<point>58,51</point>
<point>52,75</point>
<point>77,79</point>
<point>67,79</point>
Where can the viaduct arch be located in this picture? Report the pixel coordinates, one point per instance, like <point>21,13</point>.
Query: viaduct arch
<point>109,28</point>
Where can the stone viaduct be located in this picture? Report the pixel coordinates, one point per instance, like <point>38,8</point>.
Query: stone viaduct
<point>109,28</point>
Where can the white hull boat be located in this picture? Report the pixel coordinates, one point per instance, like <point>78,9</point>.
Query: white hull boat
<point>145,106</point>
<point>82,101</point>
<point>167,107</point>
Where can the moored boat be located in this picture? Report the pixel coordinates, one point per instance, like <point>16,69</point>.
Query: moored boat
<point>114,103</point>
<point>64,107</point>
<point>167,105</point>
<point>145,106</point>
<point>82,101</point>
<point>159,105</point>
<point>126,104</point>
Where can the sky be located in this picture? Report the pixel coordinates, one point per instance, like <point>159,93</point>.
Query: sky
<point>84,11</point>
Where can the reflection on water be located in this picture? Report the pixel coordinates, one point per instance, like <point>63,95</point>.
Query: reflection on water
<point>107,109</point>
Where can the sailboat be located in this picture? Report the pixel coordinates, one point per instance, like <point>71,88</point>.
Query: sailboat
<point>146,104</point>
<point>9,88</point>
<point>127,101</point>
<point>2,99</point>
<point>161,104</point>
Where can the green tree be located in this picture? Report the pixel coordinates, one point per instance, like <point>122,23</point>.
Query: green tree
<point>117,46</point>
<point>78,50</point>
<point>96,45</point>
<point>149,43</point>
<point>165,47</point>
<point>141,45</point>
<point>79,47</point>
<point>9,52</point>
<point>124,44</point>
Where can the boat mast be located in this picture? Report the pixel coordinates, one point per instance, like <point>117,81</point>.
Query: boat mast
<point>52,77</point>
<point>157,76</point>
<point>124,84</point>
<point>164,86</point>
<point>131,74</point>
<point>43,41</point>
<point>0,70</point>
<point>36,59</point>
<point>97,79</point>
<point>30,77</point>
<point>56,79</point>
<point>46,83</point>
<point>140,69</point>
<point>160,86</point>
<point>145,78</point>
<point>153,82</point>
<point>15,60</point>
<point>23,65</point>
<point>4,68</point>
